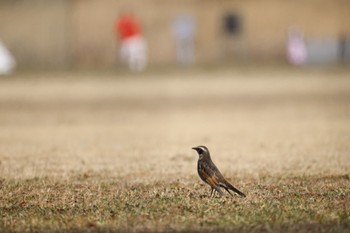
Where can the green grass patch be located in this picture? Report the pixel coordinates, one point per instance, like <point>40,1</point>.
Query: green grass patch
<point>294,204</point>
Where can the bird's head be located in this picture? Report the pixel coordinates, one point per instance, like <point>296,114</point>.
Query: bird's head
<point>202,151</point>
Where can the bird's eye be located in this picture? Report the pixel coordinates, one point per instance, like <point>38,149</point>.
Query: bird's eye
<point>200,151</point>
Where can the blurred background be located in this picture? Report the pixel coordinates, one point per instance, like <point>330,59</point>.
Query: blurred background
<point>264,84</point>
<point>64,34</point>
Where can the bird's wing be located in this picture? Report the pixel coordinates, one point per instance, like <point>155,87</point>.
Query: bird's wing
<point>210,174</point>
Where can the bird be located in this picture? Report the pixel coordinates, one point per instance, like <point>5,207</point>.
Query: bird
<point>211,175</point>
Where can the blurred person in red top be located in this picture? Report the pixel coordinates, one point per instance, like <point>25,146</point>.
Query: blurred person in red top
<point>133,46</point>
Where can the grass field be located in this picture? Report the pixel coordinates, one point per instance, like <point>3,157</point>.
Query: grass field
<point>111,152</point>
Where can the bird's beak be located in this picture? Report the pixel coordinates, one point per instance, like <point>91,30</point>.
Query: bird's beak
<point>194,148</point>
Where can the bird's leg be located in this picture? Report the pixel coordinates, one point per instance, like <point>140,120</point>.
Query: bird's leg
<point>217,189</point>
<point>211,192</point>
<point>214,193</point>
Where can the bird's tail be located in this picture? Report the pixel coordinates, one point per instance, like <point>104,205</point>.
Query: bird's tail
<point>229,186</point>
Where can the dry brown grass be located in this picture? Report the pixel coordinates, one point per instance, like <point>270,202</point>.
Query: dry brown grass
<point>105,153</point>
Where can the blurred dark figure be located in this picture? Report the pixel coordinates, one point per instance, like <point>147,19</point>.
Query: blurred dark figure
<point>344,48</point>
<point>232,24</point>
<point>296,48</point>
<point>233,42</point>
<point>132,44</point>
<point>184,30</point>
